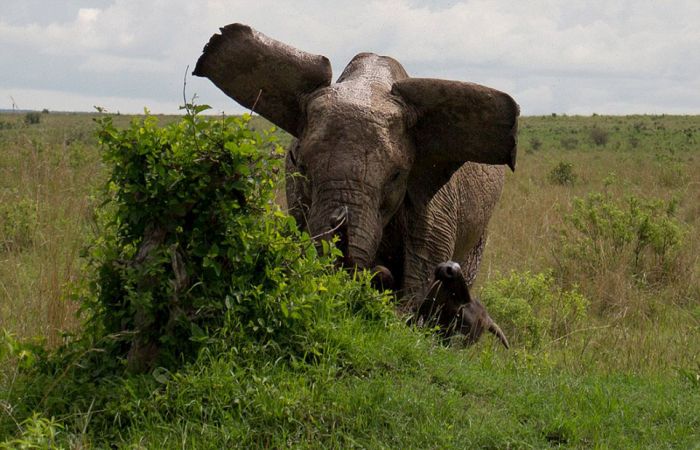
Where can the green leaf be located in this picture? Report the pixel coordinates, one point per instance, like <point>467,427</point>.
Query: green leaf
<point>161,375</point>
<point>196,332</point>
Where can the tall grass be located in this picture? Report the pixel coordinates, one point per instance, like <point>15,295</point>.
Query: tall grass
<point>50,168</point>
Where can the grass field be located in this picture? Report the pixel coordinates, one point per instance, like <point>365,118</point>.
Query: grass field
<point>602,212</point>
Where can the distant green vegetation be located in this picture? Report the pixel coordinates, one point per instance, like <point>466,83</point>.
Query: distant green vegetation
<point>592,268</point>
<point>674,134</point>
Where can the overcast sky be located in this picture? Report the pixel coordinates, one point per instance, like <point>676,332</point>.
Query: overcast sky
<point>573,57</point>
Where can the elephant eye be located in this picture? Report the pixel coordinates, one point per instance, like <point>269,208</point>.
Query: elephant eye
<point>395,176</point>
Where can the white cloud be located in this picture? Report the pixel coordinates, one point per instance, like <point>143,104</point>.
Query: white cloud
<point>104,63</point>
<point>541,95</point>
<point>553,56</point>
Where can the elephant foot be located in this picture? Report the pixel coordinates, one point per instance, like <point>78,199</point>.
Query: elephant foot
<point>449,305</point>
<point>382,278</point>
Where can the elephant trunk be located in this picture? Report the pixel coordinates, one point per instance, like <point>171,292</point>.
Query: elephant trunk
<point>352,219</point>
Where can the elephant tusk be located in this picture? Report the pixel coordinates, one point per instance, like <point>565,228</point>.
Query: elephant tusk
<point>496,330</point>
<point>329,232</point>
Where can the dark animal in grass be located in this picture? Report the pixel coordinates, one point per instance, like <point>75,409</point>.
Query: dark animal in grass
<point>449,305</point>
<point>412,167</point>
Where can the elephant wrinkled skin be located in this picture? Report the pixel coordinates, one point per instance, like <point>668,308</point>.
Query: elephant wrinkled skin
<point>406,170</point>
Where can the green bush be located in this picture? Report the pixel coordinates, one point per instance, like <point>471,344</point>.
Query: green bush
<point>599,136</point>
<point>563,174</point>
<point>531,308</point>
<point>194,248</point>
<point>671,170</point>
<point>569,143</point>
<point>32,118</point>
<point>641,236</point>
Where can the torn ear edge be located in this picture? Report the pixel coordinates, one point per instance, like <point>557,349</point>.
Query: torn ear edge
<point>263,74</point>
<point>459,122</point>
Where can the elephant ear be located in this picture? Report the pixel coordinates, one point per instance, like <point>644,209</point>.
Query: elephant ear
<point>459,122</point>
<point>263,74</point>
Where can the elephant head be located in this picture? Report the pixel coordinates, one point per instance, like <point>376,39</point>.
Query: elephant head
<point>365,143</point>
<point>449,305</point>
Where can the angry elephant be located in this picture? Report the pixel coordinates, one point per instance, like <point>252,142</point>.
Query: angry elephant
<point>406,170</point>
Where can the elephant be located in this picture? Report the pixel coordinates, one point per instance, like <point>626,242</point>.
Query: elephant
<point>407,171</point>
<point>450,306</point>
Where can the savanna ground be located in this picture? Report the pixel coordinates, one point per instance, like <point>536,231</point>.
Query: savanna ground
<point>592,268</point>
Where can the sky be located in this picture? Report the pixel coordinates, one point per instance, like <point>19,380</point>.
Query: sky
<point>565,57</point>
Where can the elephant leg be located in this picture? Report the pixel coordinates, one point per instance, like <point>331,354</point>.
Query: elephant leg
<point>383,279</point>
<point>427,243</point>
<point>389,263</point>
<point>472,261</point>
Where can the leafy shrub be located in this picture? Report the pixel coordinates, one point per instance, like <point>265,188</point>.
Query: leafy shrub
<point>23,353</point>
<point>671,170</point>
<point>531,308</point>
<point>633,142</point>
<point>17,223</point>
<point>599,136</point>
<point>192,260</point>
<point>563,174</point>
<point>641,236</point>
<point>32,118</point>
<point>568,143</point>
<point>194,247</point>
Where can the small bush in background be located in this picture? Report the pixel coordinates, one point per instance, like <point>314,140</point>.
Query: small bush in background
<point>569,143</point>
<point>531,308</point>
<point>563,174</point>
<point>599,136</point>
<point>633,142</point>
<point>640,239</point>
<point>32,118</point>
<point>535,144</point>
<point>671,170</point>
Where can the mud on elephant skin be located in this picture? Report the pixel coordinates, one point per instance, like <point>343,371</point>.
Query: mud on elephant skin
<point>415,165</point>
